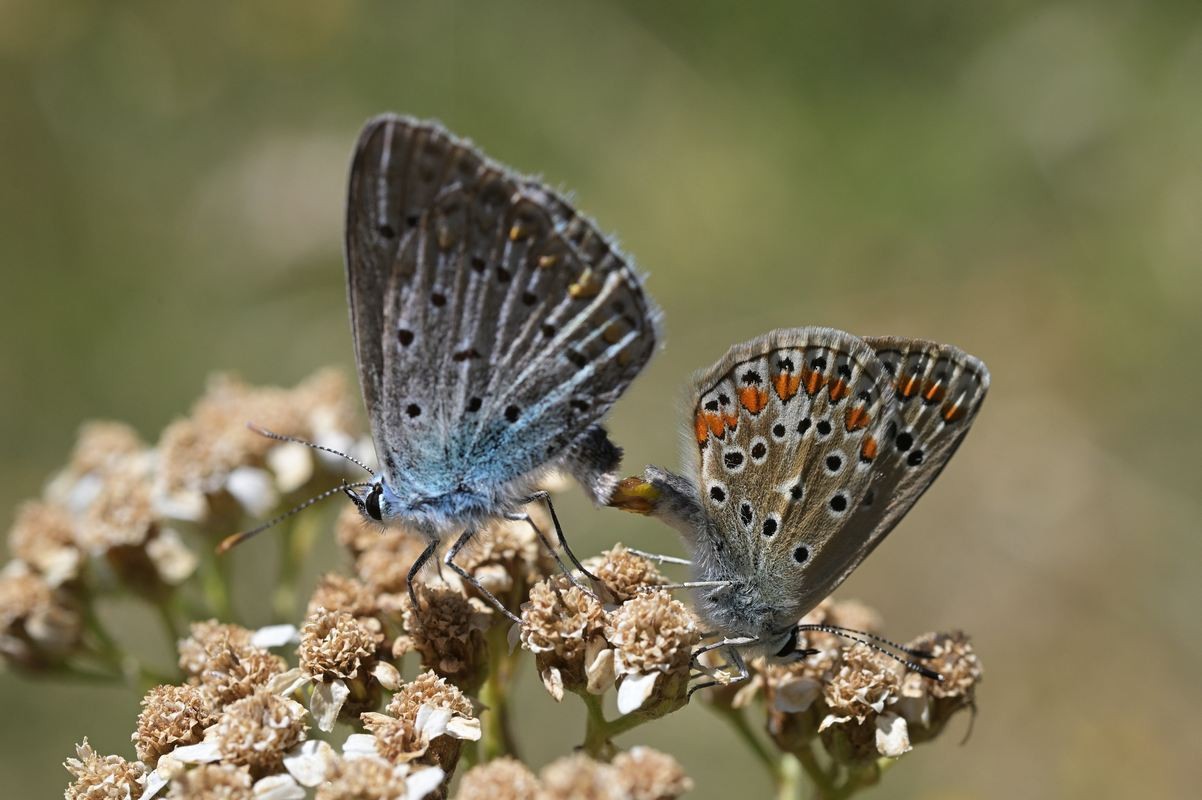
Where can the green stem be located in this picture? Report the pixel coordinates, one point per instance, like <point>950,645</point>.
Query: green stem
<point>168,611</point>
<point>498,739</point>
<point>600,732</point>
<point>295,543</point>
<point>738,720</point>
<point>824,784</point>
<point>788,778</point>
<point>214,579</point>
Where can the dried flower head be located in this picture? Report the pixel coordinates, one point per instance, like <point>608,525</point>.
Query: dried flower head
<point>233,671</point>
<point>449,634</point>
<point>338,591</point>
<point>194,650</point>
<point>425,722</point>
<point>334,644</point>
<point>376,779</point>
<point>507,556</point>
<point>502,778</point>
<point>928,705</point>
<point>43,537</point>
<point>171,716</point>
<point>39,623</point>
<point>623,574</point>
<point>212,782</point>
<point>579,777</point>
<point>648,774</point>
<point>384,566</point>
<point>860,688</point>
<point>100,777</point>
<point>565,628</point>
<point>258,730</point>
<point>654,636</point>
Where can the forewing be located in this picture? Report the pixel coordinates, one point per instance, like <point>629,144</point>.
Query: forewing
<point>506,324</point>
<point>788,428</point>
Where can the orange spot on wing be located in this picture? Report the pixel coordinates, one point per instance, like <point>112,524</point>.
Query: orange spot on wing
<point>701,428</point>
<point>933,392</point>
<point>953,413</point>
<point>907,386</point>
<point>814,381</point>
<point>857,418</point>
<point>786,384</point>
<point>839,390</point>
<point>868,449</point>
<point>732,422</point>
<point>715,424</point>
<point>753,399</point>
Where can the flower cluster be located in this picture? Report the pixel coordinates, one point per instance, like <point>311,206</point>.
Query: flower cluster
<point>638,774</point>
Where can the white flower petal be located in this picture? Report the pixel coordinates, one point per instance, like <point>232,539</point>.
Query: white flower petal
<point>203,753</point>
<point>431,722</point>
<point>892,735</point>
<point>154,783</point>
<point>278,787</point>
<point>288,682</point>
<point>514,636</point>
<point>553,680</point>
<point>173,560</point>
<point>464,728</point>
<point>292,464</point>
<point>325,703</point>
<point>422,782</point>
<point>598,666</point>
<point>275,636</point>
<point>253,488</point>
<point>388,675</point>
<point>360,745</point>
<point>185,505</point>
<point>309,762</point>
<point>634,691</point>
<point>829,720</point>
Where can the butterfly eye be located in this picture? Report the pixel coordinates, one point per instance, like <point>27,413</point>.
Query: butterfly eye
<point>373,503</point>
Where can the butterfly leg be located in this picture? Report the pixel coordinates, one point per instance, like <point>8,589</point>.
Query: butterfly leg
<point>685,585</point>
<point>736,661</point>
<point>523,517</point>
<point>563,542</point>
<point>418,563</point>
<point>449,560</point>
<point>659,559</point>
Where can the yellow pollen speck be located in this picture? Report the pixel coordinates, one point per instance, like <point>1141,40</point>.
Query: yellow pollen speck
<point>586,285</point>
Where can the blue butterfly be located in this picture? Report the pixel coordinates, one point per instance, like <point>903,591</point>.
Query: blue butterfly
<point>494,326</point>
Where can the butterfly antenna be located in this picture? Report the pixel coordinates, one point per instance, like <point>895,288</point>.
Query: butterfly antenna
<point>910,651</point>
<point>235,539</point>
<point>913,666</point>
<point>279,437</point>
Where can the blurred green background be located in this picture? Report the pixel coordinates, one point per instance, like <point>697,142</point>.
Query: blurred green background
<point>1023,179</point>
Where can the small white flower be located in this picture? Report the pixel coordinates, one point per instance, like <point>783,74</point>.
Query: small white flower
<point>892,735</point>
<point>310,762</point>
<point>278,787</point>
<point>634,690</point>
<point>271,636</point>
<point>254,489</point>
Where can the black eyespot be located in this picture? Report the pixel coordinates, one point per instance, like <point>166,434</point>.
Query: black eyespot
<point>372,503</point>
<point>733,459</point>
<point>717,494</point>
<point>796,492</point>
<point>465,355</point>
<point>512,413</point>
<point>778,430</point>
<point>503,275</point>
<point>865,395</point>
<point>769,527</point>
<point>474,404</point>
<point>411,219</point>
<point>904,441</point>
<point>577,358</point>
<point>529,298</point>
<point>404,337</point>
<point>548,330</point>
<point>803,426</point>
<point>745,513</point>
<point>915,458</point>
<point>823,427</point>
<point>818,364</point>
<point>838,503</point>
<point>413,410</point>
<point>478,264</point>
<point>578,405</point>
<point>801,554</point>
<point>833,463</point>
<point>758,451</point>
<point>751,376</point>
<point>723,399</point>
<point>844,371</point>
<point>386,231</point>
<point>712,405</point>
<point>785,365</point>
<point>438,299</point>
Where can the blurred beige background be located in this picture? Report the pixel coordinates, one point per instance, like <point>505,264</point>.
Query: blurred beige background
<point>1024,180</point>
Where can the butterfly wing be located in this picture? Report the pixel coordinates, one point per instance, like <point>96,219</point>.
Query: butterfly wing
<point>494,325</point>
<point>787,428</point>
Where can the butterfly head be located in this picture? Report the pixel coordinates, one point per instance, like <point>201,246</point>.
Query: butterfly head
<point>385,503</point>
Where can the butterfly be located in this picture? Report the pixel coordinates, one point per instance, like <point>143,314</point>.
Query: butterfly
<point>494,326</point>
<point>807,447</point>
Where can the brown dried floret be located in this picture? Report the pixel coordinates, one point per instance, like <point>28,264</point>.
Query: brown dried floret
<point>384,566</point>
<point>258,730</point>
<point>861,687</point>
<point>648,774</point>
<point>171,716</point>
<point>100,777</point>
<point>654,637</point>
<point>120,514</point>
<point>363,779</point>
<point>38,622</point>
<point>930,703</point>
<point>565,628</point>
<point>344,593</point>
<point>506,557</point>
<point>579,777</point>
<point>213,782</point>
<point>503,778</point>
<point>205,635</point>
<point>43,537</point>
<point>101,444</point>
<point>425,722</point>
<point>334,644</point>
<point>624,574</point>
<point>449,634</point>
<point>234,671</point>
